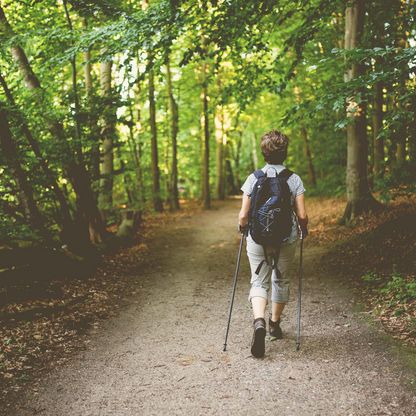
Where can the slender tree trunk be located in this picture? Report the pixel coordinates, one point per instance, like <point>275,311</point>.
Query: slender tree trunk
<point>377,122</point>
<point>206,196</point>
<point>78,145</point>
<point>157,200</point>
<point>359,198</point>
<point>94,133</point>
<point>167,147</point>
<point>126,178</point>
<point>231,188</point>
<point>204,118</point>
<point>390,143</point>
<point>87,63</point>
<point>174,128</point>
<point>105,198</point>
<point>412,128</point>
<point>401,147</point>
<point>402,43</point>
<point>308,156</point>
<point>137,141</point>
<point>401,132</point>
<point>10,152</point>
<point>219,138</point>
<point>18,54</point>
<point>137,187</point>
<point>401,150</point>
<point>237,158</point>
<point>377,104</point>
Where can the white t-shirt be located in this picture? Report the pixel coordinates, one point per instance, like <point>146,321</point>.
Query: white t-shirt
<point>295,186</point>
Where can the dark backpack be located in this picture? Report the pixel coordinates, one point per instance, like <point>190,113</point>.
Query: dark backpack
<point>270,216</point>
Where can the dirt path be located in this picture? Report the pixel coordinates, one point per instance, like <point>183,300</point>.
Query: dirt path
<point>163,354</point>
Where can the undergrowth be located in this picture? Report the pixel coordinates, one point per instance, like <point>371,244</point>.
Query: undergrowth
<point>393,301</point>
<point>378,255</point>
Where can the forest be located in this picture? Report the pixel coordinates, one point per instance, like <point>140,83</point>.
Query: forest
<point>127,129</point>
<point>112,108</point>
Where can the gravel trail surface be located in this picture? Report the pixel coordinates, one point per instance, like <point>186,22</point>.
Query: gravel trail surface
<point>162,354</point>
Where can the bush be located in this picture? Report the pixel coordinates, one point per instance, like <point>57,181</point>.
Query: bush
<point>396,287</point>
<point>401,289</point>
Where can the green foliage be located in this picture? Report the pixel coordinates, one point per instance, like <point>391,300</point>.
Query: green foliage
<point>396,287</point>
<point>269,64</point>
<point>400,288</point>
<point>10,230</point>
<point>370,277</point>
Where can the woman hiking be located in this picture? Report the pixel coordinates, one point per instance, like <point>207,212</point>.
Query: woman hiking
<point>273,146</point>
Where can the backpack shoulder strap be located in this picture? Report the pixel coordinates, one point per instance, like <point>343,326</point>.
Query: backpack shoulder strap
<point>285,174</point>
<point>259,173</point>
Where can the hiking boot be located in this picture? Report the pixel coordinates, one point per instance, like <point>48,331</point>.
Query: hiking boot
<point>257,343</point>
<point>275,330</point>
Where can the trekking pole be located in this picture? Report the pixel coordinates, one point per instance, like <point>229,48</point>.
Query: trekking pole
<point>299,292</point>
<point>237,268</point>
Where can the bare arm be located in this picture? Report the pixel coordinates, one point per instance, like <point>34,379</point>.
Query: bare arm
<point>245,208</point>
<point>301,211</point>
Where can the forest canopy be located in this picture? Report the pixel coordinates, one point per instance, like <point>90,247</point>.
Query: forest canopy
<point>110,108</point>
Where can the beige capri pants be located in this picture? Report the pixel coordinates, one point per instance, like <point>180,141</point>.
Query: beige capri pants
<point>260,283</point>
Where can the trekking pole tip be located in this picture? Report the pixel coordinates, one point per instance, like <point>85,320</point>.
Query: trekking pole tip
<point>297,346</point>
<point>225,348</point>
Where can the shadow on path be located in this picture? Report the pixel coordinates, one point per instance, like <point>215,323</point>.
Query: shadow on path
<point>163,353</point>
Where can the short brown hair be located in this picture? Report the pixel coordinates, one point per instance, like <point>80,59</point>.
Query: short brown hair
<point>274,147</point>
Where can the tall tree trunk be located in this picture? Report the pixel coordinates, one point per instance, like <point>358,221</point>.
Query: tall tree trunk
<point>78,145</point>
<point>87,63</point>
<point>390,144</point>
<point>377,122</point>
<point>133,150</point>
<point>105,197</point>
<point>174,128</point>
<point>308,156</point>
<point>157,200</point>
<point>219,138</point>
<point>412,128</point>
<point>206,196</point>
<point>76,172</point>
<point>359,198</point>
<point>401,150</point>
<point>94,134</point>
<point>377,105</point>
<point>231,188</point>
<point>137,142</point>
<point>401,43</point>
<point>126,178</point>
<point>237,158</point>
<point>26,195</point>
<point>401,131</point>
